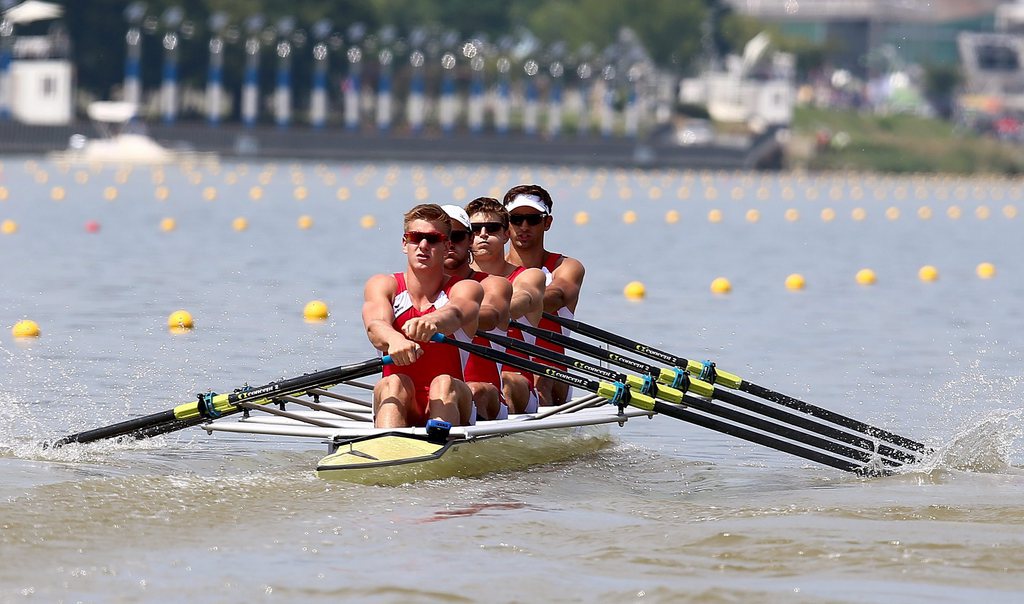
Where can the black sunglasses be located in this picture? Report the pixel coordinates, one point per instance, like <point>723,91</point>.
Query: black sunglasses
<point>458,236</point>
<point>492,228</point>
<point>530,219</point>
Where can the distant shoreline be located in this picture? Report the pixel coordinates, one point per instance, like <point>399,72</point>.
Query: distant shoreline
<point>303,143</point>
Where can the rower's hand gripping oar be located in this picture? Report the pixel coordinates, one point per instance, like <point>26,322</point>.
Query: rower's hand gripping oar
<point>867,455</point>
<point>209,406</point>
<point>621,395</point>
<point>709,372</point>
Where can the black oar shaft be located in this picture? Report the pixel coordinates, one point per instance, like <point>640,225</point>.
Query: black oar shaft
<point>865,452</point>
<point>191,414</point>
<point>776,397</point>
<point>778,444</point>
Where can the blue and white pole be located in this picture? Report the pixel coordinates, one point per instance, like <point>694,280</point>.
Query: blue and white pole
<point>530,110</point>
<point>215,72</point>
<point>251,79</point>
<point>416,106</point>
<point>557,70</point>
<point>352,87</point>
<point>318,98</point>
<point>448,106</point>
<point>215,81</point>
<point>584,73</point>
<point>169,87</point>
<point>251,84</point>
<point>608,104</point>
<point>321,54</point>
<point>475,116</point>
<point>283,90</point>
<point>385,58</point>
<point>172,19</point>
<point>6,50</point>
<point>503,104</point>
<point>133,54</point>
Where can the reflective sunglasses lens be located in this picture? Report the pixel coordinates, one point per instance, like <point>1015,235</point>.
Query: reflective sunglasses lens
<point>433,238</point>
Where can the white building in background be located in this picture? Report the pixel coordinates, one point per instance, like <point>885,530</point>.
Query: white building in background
<point>40,83</point>
<point>756,89</point>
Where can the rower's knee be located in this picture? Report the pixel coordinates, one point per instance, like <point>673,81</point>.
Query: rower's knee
<point>392,397</point>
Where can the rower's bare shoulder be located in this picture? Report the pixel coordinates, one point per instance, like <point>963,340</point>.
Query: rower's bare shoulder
<point>382,283</point>
<point>469,289</point>
<point>570,266</point>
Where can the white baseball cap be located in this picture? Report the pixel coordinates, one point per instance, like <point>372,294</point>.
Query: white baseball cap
<point>457,214</point>
<point>525,200</point>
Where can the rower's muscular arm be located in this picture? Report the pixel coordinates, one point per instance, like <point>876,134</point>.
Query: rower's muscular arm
<point>528,295</point>
<point>378,317</point>
<point>564,289</point>
<point>494,310</point>
<point>462,310</point>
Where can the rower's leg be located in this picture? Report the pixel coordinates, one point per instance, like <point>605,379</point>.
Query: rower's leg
<point>551,392</point>
<point>393,397</point>
<point>450,400</point>
<point>485,395</point>
<point>517,391</point>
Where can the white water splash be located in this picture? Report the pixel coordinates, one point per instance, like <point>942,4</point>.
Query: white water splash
<point>985,444</point>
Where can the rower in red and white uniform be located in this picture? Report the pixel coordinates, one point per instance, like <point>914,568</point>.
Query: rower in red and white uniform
<point>481,375</point>
<point>489,222</point>
<point>529,208</point>
<point>402,311</point>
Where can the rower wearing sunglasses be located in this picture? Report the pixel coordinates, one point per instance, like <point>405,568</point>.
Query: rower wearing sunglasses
<point>401,311</point>
<point>489,223</point>
<point>529,208</point>
<point>482,376</point>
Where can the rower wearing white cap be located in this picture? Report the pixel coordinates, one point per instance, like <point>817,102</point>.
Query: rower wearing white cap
<point>482,376</point>
<point>529,208</point>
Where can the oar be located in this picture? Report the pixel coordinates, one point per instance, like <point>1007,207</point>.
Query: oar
<point>620,394</point>
<point>212,406</point>
<point>680,380</point>
<point>863,451</point>
<point>730,380</point>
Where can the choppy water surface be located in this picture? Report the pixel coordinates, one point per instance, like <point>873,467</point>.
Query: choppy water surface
<point>670,512</point>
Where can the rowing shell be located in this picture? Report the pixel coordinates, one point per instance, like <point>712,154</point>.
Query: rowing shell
<point>366,455</point>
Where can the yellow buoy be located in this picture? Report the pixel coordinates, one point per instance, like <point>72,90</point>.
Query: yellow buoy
<point>25,329</point>
<point>629,217</point>
<point>792,215</point>
<point>892,213</point>
<point>828,215</point>
<point>858,214</point>
<point>721,285</point>
<point>179,321</point>
<point>581,218</point>
<point>753,215</point>
<point>209,193</point>
<point>110,193</point>
<point>240,224</point>
<point>162,193</point>
<point>672,216</point>
<point>866,276</point>
<point>986,270</point>
<point>928,273</point>
<point>58,193</point>
<point>300,193</point>
<point>715,216</point>
<point>368,221</point>
<point>795,282</point>
<point>255,193</point>
<point>634,290</point>
<point>168,224</point>
<point>8,227</point>
<point>315,311</point>
<point>305,222</point>
<point>343,194</point>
